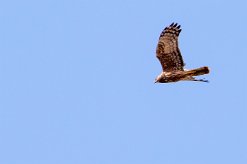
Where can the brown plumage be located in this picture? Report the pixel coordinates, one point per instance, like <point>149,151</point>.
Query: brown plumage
<point>171,60</point>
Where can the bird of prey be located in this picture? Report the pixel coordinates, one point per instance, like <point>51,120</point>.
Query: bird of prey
<point>171,60</point>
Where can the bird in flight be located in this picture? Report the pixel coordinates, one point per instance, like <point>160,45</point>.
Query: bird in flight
<point>171,60</point>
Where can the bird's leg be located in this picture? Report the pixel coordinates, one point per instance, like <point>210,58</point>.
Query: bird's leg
<point>201,80</point>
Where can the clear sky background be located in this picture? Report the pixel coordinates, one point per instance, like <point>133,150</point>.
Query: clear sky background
<point>77,83</point>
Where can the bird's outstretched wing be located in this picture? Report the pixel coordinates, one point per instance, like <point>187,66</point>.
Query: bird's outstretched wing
<point>167,50</point>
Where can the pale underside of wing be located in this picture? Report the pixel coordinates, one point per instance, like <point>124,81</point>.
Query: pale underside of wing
<point>167,50</point>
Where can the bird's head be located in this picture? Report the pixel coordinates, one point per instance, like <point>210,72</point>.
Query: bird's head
<point>164,77</point>
<point>158,79</point>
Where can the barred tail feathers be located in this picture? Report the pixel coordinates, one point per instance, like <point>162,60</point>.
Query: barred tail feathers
<point>198,71</point>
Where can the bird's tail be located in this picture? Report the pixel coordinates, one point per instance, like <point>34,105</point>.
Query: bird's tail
<point>198,71</point>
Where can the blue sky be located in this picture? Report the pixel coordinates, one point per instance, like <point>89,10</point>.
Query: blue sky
<point>77,83</point>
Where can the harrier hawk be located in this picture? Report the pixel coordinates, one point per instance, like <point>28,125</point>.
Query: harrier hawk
<point>169,55</point>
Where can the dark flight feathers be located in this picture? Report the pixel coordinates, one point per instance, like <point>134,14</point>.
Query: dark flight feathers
<point>167,50</point>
